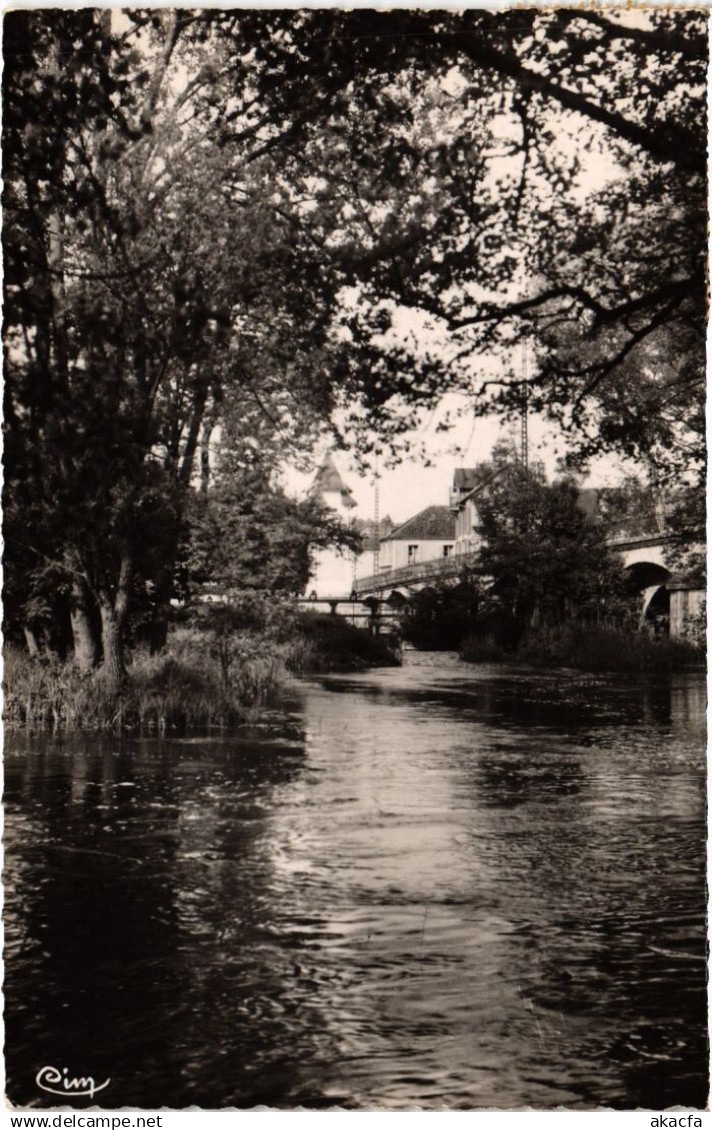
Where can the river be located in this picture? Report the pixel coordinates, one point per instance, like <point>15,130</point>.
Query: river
<point>438,886</point>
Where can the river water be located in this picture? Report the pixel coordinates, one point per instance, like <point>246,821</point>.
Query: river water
<point>434,886</point>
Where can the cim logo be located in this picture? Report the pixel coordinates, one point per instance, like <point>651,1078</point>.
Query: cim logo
<point>56,1082</point>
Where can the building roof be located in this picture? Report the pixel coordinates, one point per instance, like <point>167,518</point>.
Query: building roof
<point>435,523</point>
<point>465,478</point>
<point>328,481</point>
<point>468,481</point>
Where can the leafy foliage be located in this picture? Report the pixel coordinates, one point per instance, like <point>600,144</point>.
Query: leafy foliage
<point>144,290</point>
<point>542,562</point>
<point>438,618</point>
<point>464,152</point>
<point>604,647</point>
<point>275,216</point>
<point>329,643</point>
<point>548,558</point>
<point>247,537</point>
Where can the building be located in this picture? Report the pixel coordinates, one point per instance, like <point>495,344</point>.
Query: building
<point>466,486</point>
<point>334,571</point>
<point>425,537</point>
<point>330,489</point>
<point>469,483</point>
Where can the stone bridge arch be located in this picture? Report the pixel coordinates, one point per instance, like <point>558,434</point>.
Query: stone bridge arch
<point>650,575</point>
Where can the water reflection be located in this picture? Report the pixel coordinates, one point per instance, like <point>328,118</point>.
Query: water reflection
<point>436,886</point>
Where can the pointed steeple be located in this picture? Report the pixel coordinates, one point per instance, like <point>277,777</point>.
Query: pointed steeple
<point>328,481</point>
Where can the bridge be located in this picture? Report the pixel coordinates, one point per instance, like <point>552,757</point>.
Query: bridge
<point>413,577</point>
<point>372,613</point>
<point>642,554</point>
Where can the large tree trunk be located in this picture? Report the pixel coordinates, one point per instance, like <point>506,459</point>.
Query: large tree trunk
<point>86,644</point>
<point>33,646</point>
<point>113,617</point>
<point>113,670</point>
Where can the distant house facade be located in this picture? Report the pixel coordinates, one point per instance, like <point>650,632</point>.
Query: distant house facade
<point>425,537</point>
<point>466,486</point>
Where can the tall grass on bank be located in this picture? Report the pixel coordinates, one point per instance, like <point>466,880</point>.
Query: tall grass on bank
<point>197,683</point>
<point>592,647</point>
<point>181,689</point>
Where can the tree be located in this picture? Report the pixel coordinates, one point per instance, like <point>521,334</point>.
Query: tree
<point>542,561</point>
<point>249,551</point>
<point>205,206</point>
<point>149,279</point>
<point>548,560</point>
<point>462,151</point>
<point>248,537</point>
<point>440,616</point>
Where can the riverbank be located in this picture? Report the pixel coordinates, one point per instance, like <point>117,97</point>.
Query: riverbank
<point>586,647</point>
<point>197,682</point>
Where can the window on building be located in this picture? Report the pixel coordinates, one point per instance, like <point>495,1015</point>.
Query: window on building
<point>412,554</point>
<point>447,550</point>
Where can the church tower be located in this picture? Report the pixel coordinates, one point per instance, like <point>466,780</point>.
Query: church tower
<point>333,574</point>
<point>330,489</point>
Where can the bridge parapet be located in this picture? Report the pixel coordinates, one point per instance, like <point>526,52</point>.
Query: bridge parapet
<point>415,574</point>
<point>635,533</point>
<point>633,529</point>
<point>632,542</point>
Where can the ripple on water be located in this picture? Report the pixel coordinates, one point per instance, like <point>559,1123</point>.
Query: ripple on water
<point>434,886</point>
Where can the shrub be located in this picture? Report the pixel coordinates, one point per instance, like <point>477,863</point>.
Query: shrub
<point>475,649</point>
<point>201,680</point>
<point>438,617</point>
<point>329,643</point>
<point>597,647</point>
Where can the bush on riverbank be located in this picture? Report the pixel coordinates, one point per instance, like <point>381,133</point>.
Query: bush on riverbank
<point>592,647</point>
<point>197,682</point>
<point>439,616</point>
<point>329,643</point>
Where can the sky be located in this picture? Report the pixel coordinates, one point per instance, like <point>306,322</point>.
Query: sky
<point>410,487</point>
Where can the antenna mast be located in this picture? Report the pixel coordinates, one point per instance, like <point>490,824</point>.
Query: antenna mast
<point>524,439</point>
<point>376,523</point>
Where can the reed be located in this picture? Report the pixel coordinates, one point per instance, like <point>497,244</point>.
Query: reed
<point>182,688</point>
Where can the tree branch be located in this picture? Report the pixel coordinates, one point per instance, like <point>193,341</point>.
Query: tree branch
<point>676,146</point>
<point>654,40</point>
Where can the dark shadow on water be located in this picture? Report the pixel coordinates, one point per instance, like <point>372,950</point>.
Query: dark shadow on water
<point>427,887</point>
<point>143,928</point>
<point>565,698</point>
